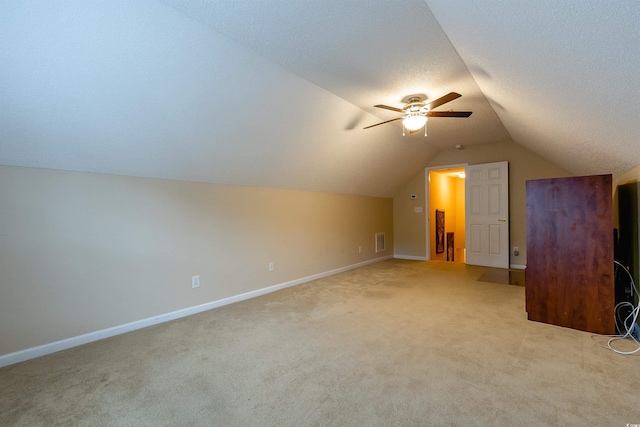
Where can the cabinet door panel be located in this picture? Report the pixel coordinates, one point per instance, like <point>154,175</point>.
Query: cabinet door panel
<point>569,275</point>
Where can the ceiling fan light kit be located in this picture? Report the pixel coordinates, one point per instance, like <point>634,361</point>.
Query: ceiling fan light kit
<point>416,112</point>
<point>414,121</point>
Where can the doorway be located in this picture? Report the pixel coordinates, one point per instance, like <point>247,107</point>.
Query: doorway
<point>445,213</point>
<point>475,207</point>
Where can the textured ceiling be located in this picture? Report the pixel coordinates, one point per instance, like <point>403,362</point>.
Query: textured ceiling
<point>563,76</point>
<point>275,93</point>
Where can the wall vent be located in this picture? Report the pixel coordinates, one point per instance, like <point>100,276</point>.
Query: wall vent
<point>379,242</point>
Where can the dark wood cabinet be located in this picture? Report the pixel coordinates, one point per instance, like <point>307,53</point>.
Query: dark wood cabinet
<point>569,275</point>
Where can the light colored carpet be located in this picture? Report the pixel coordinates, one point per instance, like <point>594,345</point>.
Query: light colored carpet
<point>397,343</point>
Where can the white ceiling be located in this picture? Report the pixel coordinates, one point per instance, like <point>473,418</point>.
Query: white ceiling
<point>275,93</point>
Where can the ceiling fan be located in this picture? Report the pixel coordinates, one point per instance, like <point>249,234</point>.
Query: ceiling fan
<point>416,112</point>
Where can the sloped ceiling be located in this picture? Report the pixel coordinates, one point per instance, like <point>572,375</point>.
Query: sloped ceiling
<point>276,93</point>
<point>563,76</point>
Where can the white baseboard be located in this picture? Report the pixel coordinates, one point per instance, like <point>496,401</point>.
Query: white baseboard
<point>411,257</point>
<point>43,350</point>
<point>517,266</point>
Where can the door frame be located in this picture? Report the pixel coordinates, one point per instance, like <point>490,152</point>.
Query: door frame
<point>427,208</point>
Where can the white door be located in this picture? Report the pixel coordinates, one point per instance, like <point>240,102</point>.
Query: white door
<point>487,214</point>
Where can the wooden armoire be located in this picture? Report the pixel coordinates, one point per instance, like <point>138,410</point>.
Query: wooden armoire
<point>569,276</point>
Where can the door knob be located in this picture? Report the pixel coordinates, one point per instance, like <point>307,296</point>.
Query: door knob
<point>503,220</point>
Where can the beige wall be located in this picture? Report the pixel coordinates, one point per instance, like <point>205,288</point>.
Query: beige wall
<point>408,225</point>
<point>460,224</point>
<point>81,252</point>
<point>443,196</point>
<point>632,175</point>
<point>523,165</point>
<point>439,198</point>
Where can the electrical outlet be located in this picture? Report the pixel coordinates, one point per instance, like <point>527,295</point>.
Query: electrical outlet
<point>271,266</point>
<point>359,249</point>
<point>195,282</point>
<point>516,251</point>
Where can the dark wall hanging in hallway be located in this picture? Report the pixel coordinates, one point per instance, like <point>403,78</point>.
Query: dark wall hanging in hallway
<point>439,231</point>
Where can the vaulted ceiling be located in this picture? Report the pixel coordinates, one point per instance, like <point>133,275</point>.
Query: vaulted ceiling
<point>276,93</point>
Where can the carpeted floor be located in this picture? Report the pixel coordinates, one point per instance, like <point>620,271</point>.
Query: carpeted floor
<point>505,277</point>
<point>397,343</point>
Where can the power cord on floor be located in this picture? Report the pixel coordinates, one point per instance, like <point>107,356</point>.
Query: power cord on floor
<point>629,323</point>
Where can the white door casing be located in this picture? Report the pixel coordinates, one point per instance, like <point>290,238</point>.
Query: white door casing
<point>487,214</point>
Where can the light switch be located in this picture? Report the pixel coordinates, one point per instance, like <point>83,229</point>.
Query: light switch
<point>417,209</point>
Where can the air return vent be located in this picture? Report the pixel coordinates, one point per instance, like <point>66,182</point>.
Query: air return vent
<point>379,242</point>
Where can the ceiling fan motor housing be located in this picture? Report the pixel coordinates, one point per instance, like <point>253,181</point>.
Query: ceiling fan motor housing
<point>415,105</point>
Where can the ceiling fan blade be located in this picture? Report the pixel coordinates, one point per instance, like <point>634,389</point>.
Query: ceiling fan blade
<point>386,107</point>
<point>388,121</point>
<point>443,100</point>
<point>449,113</point>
